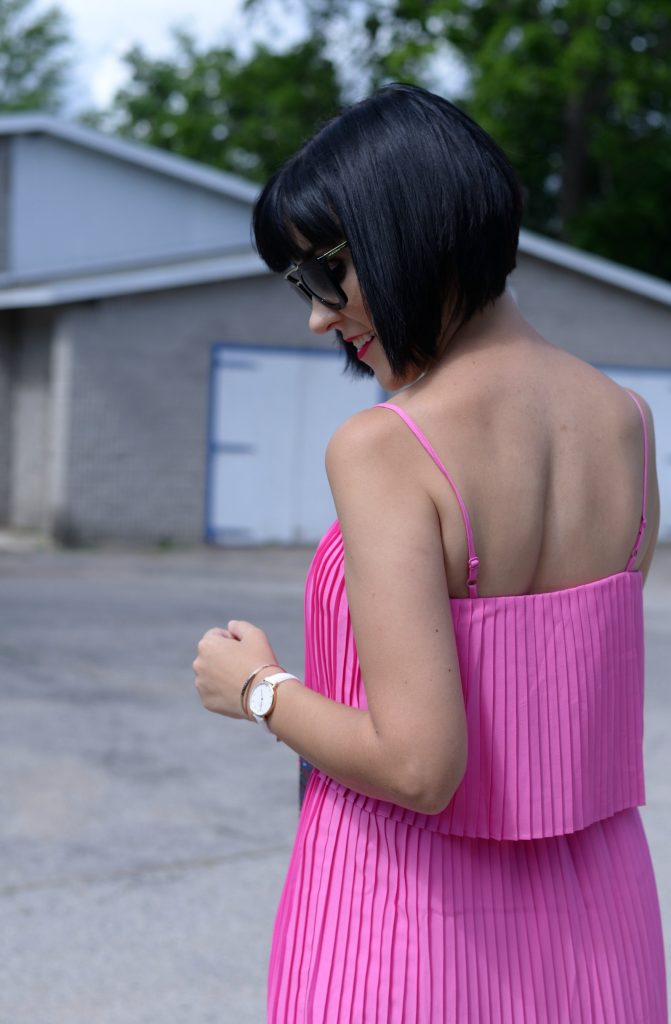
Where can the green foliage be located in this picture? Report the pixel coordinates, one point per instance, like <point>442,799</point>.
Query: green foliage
<point>578,92</point>
<point>33,64</point>
<point>244,116</point>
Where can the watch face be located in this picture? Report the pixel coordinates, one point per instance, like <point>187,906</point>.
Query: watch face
<point>261,699</point>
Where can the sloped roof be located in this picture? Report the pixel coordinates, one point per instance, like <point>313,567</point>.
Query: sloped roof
<point>178,270</point>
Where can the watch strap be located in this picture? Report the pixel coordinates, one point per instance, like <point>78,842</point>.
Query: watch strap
<point>278,677</point>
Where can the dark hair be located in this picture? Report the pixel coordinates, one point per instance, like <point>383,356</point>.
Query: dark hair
<point>427,201</point>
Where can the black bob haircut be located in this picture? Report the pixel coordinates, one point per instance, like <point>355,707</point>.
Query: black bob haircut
<point>428,203</point>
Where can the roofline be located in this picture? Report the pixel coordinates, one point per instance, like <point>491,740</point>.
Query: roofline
<point>596,267</point>
<point>130,281</point>
<point>149,157</point>
<point>207,268</point>
<point>233,187</point>
<point>121,264</point>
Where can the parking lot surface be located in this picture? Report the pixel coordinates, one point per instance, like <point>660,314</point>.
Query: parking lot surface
<point>143,840</point>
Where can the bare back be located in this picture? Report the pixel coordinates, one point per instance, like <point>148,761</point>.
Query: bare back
<point>547,453</point>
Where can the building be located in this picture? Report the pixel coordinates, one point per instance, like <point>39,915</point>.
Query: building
<point>157,383</point>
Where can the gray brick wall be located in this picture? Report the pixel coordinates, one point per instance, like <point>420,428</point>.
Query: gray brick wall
<point>139,393</point>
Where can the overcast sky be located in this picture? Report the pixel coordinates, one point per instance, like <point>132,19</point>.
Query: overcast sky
<point>103,30</point>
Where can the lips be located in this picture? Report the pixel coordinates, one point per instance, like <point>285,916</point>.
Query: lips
<point>362,343</point>
<point>360,352</point>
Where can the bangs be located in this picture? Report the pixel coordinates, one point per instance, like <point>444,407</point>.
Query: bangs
<point>294,216</point>
<point>428,203</point>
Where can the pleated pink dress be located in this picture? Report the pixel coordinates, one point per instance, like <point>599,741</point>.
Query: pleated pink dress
<point>531,898</point>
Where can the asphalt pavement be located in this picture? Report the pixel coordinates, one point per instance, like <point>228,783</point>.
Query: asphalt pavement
<point>144,841</point>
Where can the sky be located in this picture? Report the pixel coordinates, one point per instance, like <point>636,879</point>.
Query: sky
<point>103,30</point>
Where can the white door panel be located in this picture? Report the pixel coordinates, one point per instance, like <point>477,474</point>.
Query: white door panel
<point>272,414</point>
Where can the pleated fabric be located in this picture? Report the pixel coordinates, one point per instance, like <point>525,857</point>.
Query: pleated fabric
<point>530,899</point>
<point>553,690</point>
<point>385,922</point>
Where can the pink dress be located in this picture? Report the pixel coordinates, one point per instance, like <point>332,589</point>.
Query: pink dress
<point>531,898</point>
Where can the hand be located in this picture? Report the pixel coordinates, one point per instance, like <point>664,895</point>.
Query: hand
<point>224,660</point>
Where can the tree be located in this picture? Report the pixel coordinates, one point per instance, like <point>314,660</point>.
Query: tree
<point>33,60</point>
<point>244,116</point>
<point>578,92</point>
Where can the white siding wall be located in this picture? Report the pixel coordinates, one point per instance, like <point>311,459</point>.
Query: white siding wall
<point>73,208</point>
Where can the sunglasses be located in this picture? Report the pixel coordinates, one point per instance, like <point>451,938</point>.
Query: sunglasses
<point>315,279</point>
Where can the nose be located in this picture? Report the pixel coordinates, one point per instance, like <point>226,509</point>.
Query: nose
<point>322,319</point>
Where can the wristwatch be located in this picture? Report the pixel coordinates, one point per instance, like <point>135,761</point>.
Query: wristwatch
<point>263,696</point>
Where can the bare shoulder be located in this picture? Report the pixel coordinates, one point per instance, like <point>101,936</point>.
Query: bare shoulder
<point>644,406</point>
<point>568,382</point>
<point>366,442</point>
<point>629,417</point>
<point>373,477</point>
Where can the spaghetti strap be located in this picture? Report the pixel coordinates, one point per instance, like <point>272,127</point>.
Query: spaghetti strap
<point>473,560</point>
<point>644,522</point>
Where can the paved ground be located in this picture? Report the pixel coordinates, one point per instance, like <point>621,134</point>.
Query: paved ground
<point>143,840</point>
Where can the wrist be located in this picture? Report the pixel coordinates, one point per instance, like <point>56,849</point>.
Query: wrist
<point>247,686</point>
<point>283,696</point>
<point>263,696</point>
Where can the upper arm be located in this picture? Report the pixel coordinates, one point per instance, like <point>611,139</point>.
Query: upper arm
<point>398,599</point>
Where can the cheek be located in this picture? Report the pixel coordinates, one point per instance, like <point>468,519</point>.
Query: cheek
<point>356,307</point>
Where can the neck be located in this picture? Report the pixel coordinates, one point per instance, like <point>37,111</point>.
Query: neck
<point>496,323</point>
<point>410,384</point>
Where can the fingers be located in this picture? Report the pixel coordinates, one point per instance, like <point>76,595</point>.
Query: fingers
<point>240,629</point>
<point>237,629</point>
<point>217,632</point>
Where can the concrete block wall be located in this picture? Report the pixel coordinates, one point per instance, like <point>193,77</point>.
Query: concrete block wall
<point>137,448</point>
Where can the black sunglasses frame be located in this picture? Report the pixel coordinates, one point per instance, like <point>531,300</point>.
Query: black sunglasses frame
<point>295,277</point>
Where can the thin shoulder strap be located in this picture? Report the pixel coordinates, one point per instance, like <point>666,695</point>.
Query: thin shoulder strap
<point>644,522</point>
<point>473,560</point>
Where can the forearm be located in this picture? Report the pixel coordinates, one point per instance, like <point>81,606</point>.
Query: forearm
<point>339,740</point>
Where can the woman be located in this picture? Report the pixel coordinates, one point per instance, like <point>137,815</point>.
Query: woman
<point>469,849</point>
